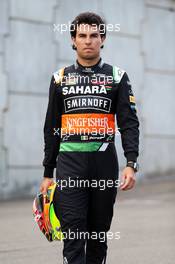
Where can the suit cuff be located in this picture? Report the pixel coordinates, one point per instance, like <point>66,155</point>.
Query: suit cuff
<point>48,172</point>
<point>131,156</point>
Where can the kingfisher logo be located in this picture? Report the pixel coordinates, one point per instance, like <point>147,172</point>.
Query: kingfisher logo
<point>88,102</point>
<point>88,126</point>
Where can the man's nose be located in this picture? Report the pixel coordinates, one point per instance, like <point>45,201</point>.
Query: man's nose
<point>88,40</point>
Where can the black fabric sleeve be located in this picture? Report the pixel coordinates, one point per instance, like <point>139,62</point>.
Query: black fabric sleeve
<point>127,120</point>
<point>52,131</point>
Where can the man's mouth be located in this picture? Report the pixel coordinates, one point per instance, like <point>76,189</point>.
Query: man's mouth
<point>88,49</point>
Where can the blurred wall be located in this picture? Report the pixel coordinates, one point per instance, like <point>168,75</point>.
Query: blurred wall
<point>30,51</point>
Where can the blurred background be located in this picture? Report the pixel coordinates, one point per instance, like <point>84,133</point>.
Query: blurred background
<point>30,51</point>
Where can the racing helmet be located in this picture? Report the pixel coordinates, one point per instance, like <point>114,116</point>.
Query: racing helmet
<point>44,215</point>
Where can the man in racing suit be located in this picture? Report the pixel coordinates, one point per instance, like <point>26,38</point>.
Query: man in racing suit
<point>79,134</point>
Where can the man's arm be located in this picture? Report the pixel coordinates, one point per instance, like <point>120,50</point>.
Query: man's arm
<point>128,124</point>
<point>127,119</point>
<point>52,130</point>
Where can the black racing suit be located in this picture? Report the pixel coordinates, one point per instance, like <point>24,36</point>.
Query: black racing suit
<point>79,135</point>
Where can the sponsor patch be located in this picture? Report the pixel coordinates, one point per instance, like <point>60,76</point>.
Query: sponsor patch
<point>81,89</point>
<point>132,99</point>
<point>87,102</point>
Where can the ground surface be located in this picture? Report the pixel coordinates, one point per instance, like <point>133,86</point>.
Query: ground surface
<point>144,217</point>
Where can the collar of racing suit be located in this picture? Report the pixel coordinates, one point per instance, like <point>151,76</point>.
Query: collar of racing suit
<point>88,69</point>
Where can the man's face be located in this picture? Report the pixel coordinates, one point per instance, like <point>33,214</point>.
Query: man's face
<point>88,41</point>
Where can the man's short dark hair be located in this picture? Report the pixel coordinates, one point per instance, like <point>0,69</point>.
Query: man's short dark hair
<point>89,18</point>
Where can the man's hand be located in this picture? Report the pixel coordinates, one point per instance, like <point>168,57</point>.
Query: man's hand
<point>46,182</point>
<point>127,179</point>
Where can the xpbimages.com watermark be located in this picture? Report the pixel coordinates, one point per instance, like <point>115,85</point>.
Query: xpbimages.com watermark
<point>85,235</point>
<point>74,78</point>
<point>86,133</point>
<point>102,28</point>
<point>101,184</point>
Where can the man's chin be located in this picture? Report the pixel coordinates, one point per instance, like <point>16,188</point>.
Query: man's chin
<point>89,56</point>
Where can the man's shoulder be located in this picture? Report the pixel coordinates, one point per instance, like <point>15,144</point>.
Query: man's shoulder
<point>116,71</point>
<point>60,72</point>
<point>65,68</point>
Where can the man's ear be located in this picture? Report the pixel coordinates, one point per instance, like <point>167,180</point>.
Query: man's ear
<point>73,43</point>
<point>103,39</point>
<point>102,42</point>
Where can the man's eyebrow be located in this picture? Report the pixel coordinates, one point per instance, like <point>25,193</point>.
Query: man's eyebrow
<point>94,34</point>
<point>83,34</point>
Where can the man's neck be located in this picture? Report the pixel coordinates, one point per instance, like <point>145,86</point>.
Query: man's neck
<point>88,63</point>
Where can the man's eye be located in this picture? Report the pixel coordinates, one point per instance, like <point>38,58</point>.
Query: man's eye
<point>94,36</point>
